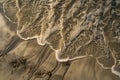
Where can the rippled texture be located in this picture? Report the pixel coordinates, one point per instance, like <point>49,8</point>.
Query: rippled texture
<point>61,39</point>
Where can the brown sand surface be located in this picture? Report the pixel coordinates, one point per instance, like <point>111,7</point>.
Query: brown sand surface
<point>59,39</point>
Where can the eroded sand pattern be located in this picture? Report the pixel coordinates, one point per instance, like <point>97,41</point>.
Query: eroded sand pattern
<point>60,39</point>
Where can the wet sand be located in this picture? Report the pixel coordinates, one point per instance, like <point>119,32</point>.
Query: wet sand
<point>59,40</point>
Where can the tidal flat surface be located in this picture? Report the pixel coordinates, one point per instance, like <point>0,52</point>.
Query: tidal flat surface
<point>59,39</point>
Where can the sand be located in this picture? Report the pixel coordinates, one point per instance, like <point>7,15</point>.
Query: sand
<point>59,40</point>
